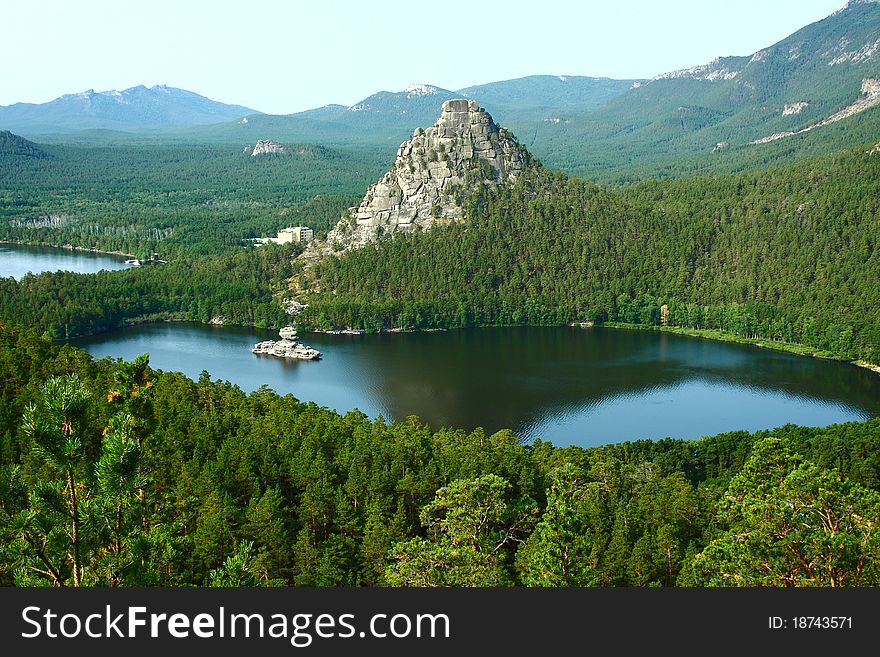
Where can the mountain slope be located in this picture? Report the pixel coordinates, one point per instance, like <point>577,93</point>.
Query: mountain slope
<point>797,82</point>
<point>785,254</point>
<point>549,98</point>
<point>137,108</point>
<point>14,146</point>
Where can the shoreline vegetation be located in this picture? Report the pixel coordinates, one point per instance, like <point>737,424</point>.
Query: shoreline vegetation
<point>68,247</point>
<point>706,334</point>
<point>709,334</point>
<point>257,489</point>
<point>724,336</point>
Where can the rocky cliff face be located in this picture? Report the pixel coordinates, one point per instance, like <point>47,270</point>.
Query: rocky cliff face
<point>420,190</point>
<point>266,146</point>
<point>870,97</point>
<point>871,86</point>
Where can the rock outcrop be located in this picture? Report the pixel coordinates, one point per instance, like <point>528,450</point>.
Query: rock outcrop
<point>792,109</point>
<point>870,87</point>
<point>870,97</point>
<point>265,146</point>
<point>421,190</point>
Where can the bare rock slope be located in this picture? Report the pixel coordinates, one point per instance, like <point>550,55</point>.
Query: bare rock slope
<point>421,189</point>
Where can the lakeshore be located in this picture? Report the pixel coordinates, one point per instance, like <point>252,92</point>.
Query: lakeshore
<point>764,343</point>
<point>554,383</point>
<point>710,334</point>
<point>69,247</point>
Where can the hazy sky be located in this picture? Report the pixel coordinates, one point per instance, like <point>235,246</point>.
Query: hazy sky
<point>282,57</point>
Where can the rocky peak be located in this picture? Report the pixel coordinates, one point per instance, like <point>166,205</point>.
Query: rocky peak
<point>464,146</point>
<point>416,89</point>
<point>265,146</point>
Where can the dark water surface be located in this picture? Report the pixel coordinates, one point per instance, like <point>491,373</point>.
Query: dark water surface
<point>16,261</point>
<point>568,385</point>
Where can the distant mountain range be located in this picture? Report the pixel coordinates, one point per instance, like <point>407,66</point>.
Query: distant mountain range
<point>597,127</point>
<point>390,117</point>
<point>691,119</point>
<point>379,118</point>
<point>134,109</point>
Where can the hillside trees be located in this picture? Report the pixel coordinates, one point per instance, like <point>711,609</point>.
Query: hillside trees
<point>180,482</point>
<point>787,255</point>
<point>82,521</point>
<point>789,522</point>
<point>473,528</point>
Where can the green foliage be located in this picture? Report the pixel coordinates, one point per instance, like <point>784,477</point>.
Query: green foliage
<point>236,570</point>
<point>12,146</point>
<point>780,255</point>
<point>49,530</point>
<point>559,551</point>
<point>81,521</point>
<point>472,526</point>
<point>182,482</point>
<point>792,523</point>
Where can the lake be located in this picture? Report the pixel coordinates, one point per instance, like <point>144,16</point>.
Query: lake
<point>568,385</point>
<point>17,261</point>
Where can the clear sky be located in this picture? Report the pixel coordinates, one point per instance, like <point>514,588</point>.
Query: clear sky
<point>285,56</point>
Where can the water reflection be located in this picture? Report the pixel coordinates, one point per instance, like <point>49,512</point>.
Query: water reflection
<point>18,261</point>
<point>572,386</point>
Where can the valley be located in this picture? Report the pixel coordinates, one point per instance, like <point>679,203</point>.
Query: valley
<point>523,270</point>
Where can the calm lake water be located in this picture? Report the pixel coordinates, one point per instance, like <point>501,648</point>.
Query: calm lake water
<point>568,385</point>
<point>16,261</point>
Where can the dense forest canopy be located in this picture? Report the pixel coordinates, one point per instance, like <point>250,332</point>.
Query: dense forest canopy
<point>784,254</point>
<point>112,473</point>
<point>192,199</point>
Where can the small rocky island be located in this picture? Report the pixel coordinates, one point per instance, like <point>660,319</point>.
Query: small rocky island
<point>287,347</point>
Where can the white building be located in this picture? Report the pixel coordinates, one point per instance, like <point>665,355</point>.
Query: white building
<point>295,234</point>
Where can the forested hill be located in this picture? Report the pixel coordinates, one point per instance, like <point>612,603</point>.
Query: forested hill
<point>788,254</point>
<point>12,146</point>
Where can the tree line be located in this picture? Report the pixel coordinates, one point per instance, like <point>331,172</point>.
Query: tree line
<point>785,254</point>
<point>239,286</point>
